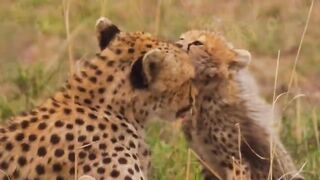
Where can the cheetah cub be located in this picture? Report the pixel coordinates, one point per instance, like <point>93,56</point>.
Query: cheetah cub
<point>231,129</point>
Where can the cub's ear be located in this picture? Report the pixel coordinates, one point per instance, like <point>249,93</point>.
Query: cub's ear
<point>242,59</point>
<point>146,68</point>
<point>106,31</point>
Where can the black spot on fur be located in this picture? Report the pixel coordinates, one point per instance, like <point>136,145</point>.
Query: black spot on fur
<point>24,124</point>
<point>56,167</point>
<point>71,156</point>
<point>59,152</point>
<point>110,63</point>
<point>90,128</point>
<point>22,161</point>
<point>106,160</point>
<point>82,138</point>
<point>130,171</point>
<point>19,136</point>
<point>59,178</point>
<point>69,126</point>
<point>42,151</point>
<point>102,126</point>
<point>32,137</point>
<point>118,51</point>
<point>25,147</point>
<point>87,101</point>
<point>122,161</point>
<point>86,168</point>
<point>81,89</point>
<point>72,171</point>
<point>102,146</point>
<point>79,121</point>
<point>110,78</point>
<point>101,90</point>
<point>16,173</point>
<point>101,170</point>
<point>42,126</point>
<point>93,79</point>
<point>130,50</point>
<point>136,167</point>
<point>55,139</point>
<point>59,123</point>
<point>67,111</point>
<point>4,165</point>
<point>79,110</point>
<point>9,146</point>
<point>114,173</point>
<point>69,137</point>
<point>114,127</point>
<point>92,116</point>
<point>40,169</point>
<point>92,156</point>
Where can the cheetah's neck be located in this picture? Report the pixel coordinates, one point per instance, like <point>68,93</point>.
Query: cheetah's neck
<point>102,84</point>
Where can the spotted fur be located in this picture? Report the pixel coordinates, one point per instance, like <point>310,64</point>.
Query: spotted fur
<point>94,126</point>
<point>228,111</point>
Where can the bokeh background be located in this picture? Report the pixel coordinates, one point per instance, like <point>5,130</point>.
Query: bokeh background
<point>34,60</point>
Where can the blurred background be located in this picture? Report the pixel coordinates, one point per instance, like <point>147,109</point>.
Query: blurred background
<point>34,60</point>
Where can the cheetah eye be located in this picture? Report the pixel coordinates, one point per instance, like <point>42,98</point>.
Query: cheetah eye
<point>197,43</point>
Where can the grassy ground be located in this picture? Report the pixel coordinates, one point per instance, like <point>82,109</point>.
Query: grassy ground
<point>34,60</point>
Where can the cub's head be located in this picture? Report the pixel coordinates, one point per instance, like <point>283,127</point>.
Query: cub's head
<point>159,74</point>
<point>214,58</point>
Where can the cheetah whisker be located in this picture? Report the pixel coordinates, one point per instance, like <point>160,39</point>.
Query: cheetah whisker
<point>261,157</point>
<point>296,173</point>
<point>294,98</point>
<point>3,172</point>
<point>278,97</point>
<point>86,145</point>
<point>205,164</point>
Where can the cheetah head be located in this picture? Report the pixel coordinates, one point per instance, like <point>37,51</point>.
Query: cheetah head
<point>215,59</point>
<point>160,74</point>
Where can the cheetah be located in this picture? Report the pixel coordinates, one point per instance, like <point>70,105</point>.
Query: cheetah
<point>231,129</point>
<point>94,126</point>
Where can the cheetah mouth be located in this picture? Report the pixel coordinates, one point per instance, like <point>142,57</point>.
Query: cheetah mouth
<point>184,112</point>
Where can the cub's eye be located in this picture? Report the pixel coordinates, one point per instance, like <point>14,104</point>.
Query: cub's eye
<point>197,43</point>
<point>194,43</point>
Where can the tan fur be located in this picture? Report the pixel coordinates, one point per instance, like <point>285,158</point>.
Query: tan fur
<point>228,104</point>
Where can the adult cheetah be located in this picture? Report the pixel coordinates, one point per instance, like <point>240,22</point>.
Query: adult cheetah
<point>94,126</point>
<point>231,128</point>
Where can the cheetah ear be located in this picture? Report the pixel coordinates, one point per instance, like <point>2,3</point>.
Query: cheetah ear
<point>152,63</point>
<point>137,76</point>
<point>106,31</point>
<point>242,59</point>
<point>146,68</point>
